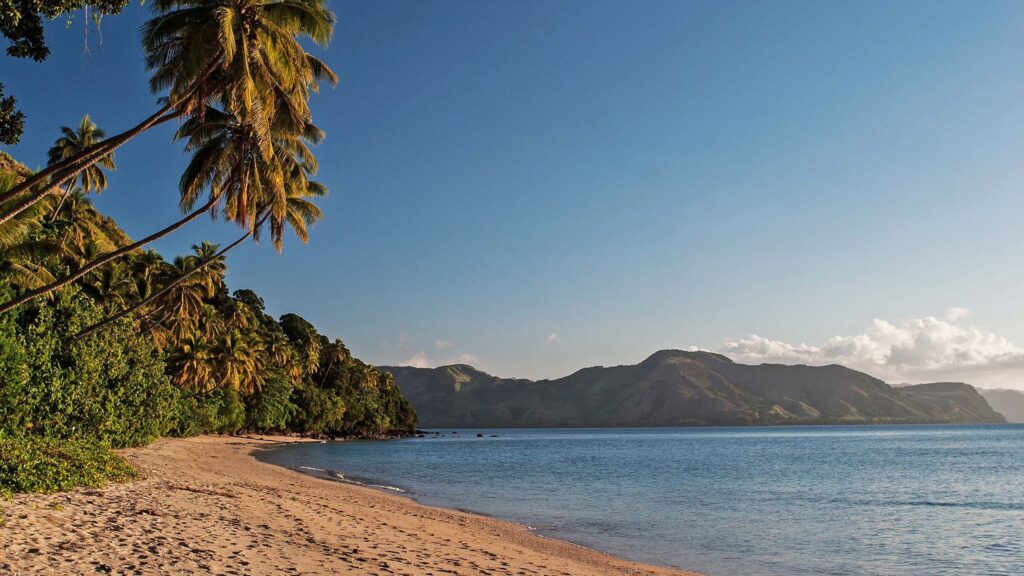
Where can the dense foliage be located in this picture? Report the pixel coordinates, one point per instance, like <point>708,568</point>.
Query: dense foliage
<point>192,358</point>
<point>110,387</point>
<point>198,359</point>
<point>40,464</point>
<point>104,342</point>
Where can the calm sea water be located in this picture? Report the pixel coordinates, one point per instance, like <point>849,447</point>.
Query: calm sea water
<point>900,500</point>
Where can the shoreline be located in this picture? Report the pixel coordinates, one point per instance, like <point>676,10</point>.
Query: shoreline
<point>331,475</point>
<point>209,505</point>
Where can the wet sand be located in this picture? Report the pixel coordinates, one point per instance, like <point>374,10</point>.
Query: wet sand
<point>207,506</point>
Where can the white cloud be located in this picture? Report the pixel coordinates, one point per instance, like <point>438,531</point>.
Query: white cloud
<point>910,350</point>
<point>443,344</point>
<point>957,313</point>
<point>419,360</point>
<point>552,338</point>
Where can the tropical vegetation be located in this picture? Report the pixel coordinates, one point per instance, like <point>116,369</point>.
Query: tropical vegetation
<point>105,343</point>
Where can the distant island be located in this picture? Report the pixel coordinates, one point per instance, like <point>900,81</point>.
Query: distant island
<point>680,388</point>
<point>1009,403</point>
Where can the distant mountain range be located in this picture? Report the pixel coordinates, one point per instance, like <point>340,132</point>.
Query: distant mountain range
<point>1009,403</point>
<point>677,388</point>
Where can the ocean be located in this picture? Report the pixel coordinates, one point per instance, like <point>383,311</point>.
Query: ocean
<point>780,501</point>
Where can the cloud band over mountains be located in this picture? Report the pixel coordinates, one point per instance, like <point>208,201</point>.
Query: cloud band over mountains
<point>421,360</point>
<point>911,350</point>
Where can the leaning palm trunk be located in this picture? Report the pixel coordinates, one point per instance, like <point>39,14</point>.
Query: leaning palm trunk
<point>82,159</point>
<point>107,321</point>
<point>65,171</point>
<point>63,197</point>
<point>105,258</point>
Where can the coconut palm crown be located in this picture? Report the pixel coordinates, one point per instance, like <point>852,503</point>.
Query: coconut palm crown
<point>243,54</point>
<point>73,141</point>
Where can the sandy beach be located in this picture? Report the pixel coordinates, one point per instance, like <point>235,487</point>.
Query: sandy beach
<point>206,506</point>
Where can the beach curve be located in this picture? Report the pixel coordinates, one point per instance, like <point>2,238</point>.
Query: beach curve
<point>207,505</point>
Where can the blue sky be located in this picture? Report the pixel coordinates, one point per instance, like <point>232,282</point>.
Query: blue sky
<point>540,186</point>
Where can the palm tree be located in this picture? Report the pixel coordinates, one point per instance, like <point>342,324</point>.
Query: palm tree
<point>227,162</point>
<point>312,349</point>
<point>77,254</point>
<point>146,269</point>
<point>24,256</point>
<point>213,274</point>
<point>279,350</point>
<point>172,285</point>
<point>113,287</point>
<point>179,309</point>
<point>187,300</point>
<point>192,364</point>
<point>51,179</point>
<point>23,265</point>
<point>17,229</point>
<point>227,157</point>
<point>297,213</point>
<point>210,322</point>
<point>262,73</point>
<point>244,54</point>
<point>191,280</point>
<point>74,142</point>
<point>81,224</point>
<point>239,362</point>
<point>104,258</point>
<point>238,315</point>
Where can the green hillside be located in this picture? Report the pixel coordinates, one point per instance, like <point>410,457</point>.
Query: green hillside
<point>676,388</point>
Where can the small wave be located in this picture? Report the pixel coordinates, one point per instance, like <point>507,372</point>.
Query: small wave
<point>312,468</point>
<point>342,478</point>
<point>969,505</point>
<point>996,506</point>
<point>1001,547</point>
<point>385,487</point>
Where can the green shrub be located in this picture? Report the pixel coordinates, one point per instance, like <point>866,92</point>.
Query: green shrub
<point>270,407</point>
<point>231,416</point>
<point>194,415</point>
<point>13,376</point>
<point>37,464</point>
<point>220,411</point>
<point>318,410</point>
<point>110,386</point>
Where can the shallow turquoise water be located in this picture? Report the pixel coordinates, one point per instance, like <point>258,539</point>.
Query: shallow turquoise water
<point>893,500</point>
